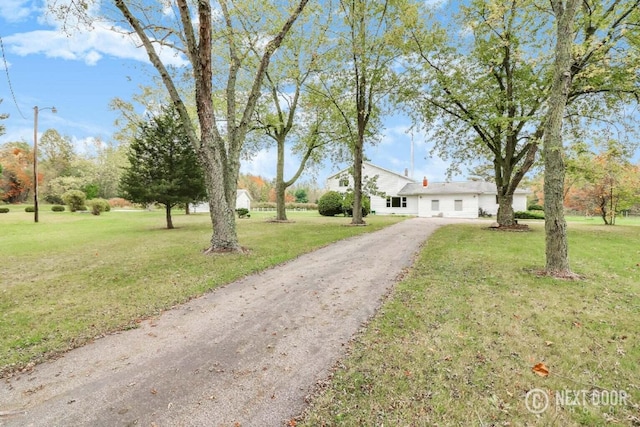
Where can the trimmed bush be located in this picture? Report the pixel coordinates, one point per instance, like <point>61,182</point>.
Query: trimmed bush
<point>98,206</point>
<point>347,204</point>
<point>75,199</point>
<point>243,213</point>
<point>535,207</point>
<point>30,209</point>
<point>330,204</point>
<point>58,208</point>
<point>4,210</point>
<point>529,215</point>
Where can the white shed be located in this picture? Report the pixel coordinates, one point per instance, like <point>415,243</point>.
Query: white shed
<point>243,200</point>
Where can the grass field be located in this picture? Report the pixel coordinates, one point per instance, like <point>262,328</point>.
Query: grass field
<point>73,277</point>
<point>456,342</point>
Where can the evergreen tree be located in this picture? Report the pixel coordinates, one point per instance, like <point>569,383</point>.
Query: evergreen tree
<point>163,165</point>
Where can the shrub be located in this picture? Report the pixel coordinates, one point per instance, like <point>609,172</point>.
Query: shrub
<point>535,207</point>
<point>243,213</point>
<point>30,209</point>
<point>529,215</point>
<point>4,210</point>
<point>75,199</point>
<point>57,208</point>
<point>98,206</point>
<point>347,204</point>
<point>330,204</point>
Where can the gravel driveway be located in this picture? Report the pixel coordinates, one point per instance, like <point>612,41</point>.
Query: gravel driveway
<point>245,354</point>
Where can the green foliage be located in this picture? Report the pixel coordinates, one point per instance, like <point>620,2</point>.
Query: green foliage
<point>58,208</point>
<point>529,215</point>
<point>301,196</point>
<point>535,207</point>
<point>330,204</point>
<point>75,199</point>
<point>163,166</point>
<point>98,206</point>
<point>347,204</point>
<point>30,209</point>
<point>4,210</point>
<point>91,190</point>
<point>243,213</point>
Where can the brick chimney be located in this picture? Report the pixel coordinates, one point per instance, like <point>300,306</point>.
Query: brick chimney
<point>425,182</point>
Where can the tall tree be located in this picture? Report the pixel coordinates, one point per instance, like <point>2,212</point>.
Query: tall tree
<point>605,183</point>
<point>55,153</point>
<point>556,248</point>
<point>284,115</point>
<point>220,136</point>
<point>163,165</point>
<point>487,91</point>
<point>362,76</point>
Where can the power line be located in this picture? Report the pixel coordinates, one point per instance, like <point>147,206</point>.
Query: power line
<point>6,69</point>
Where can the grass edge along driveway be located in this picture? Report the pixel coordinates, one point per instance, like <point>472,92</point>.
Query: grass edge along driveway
<point>458,340</point>
<point>72,278</point>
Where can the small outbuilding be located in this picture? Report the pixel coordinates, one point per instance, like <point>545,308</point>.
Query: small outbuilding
<point>243,200</point>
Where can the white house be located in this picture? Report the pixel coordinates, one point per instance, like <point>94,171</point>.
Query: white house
<point>243,200</point>
<point>405,196</point>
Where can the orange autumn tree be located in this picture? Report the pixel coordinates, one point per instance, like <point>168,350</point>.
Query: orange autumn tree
<point>258,187</point>
<point>16,179</point>
<point>603,184</point>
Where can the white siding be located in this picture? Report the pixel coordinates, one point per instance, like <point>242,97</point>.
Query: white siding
<point>243,201</point>
<point>488,203</point>
<point>388,182</point>
<point>447,205</point>
<point>519,202</point>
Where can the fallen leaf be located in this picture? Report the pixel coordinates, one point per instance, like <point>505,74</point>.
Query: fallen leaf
<point>548,343</point>
<point>292,423</point>
<point>577,324</point>
<point>541,369</point>
<point>154,391</point>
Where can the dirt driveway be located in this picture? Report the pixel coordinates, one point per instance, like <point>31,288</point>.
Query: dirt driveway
<point>246,354</point>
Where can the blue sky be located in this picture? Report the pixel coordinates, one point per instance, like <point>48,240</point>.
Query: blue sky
<point>79,74</point>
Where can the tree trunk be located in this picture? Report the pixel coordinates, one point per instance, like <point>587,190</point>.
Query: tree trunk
<point>357,182</point>
<point>221,184</point>
<point>167,211</point>
<point>281,210</point>
<point>603,210</point>
<point>505,210</point>
<point>557,258</point>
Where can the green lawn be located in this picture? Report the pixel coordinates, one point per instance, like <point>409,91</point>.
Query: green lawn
<point>456,342</point>
<point>73,276</point>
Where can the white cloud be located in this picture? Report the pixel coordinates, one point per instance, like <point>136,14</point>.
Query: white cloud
<point>88,45</point>
<point>14,10</point>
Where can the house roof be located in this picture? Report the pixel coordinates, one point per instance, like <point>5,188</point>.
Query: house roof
<point>376,167</point>
<point>242,190</point>
<point>468,187</point>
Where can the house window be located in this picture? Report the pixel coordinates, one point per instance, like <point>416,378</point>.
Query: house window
<point>344,182</point>
<point>457,205</point>
<point>396,202</point>
<point>435,205</point>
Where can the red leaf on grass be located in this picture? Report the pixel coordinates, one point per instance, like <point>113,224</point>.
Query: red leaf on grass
<point>540,369</point>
